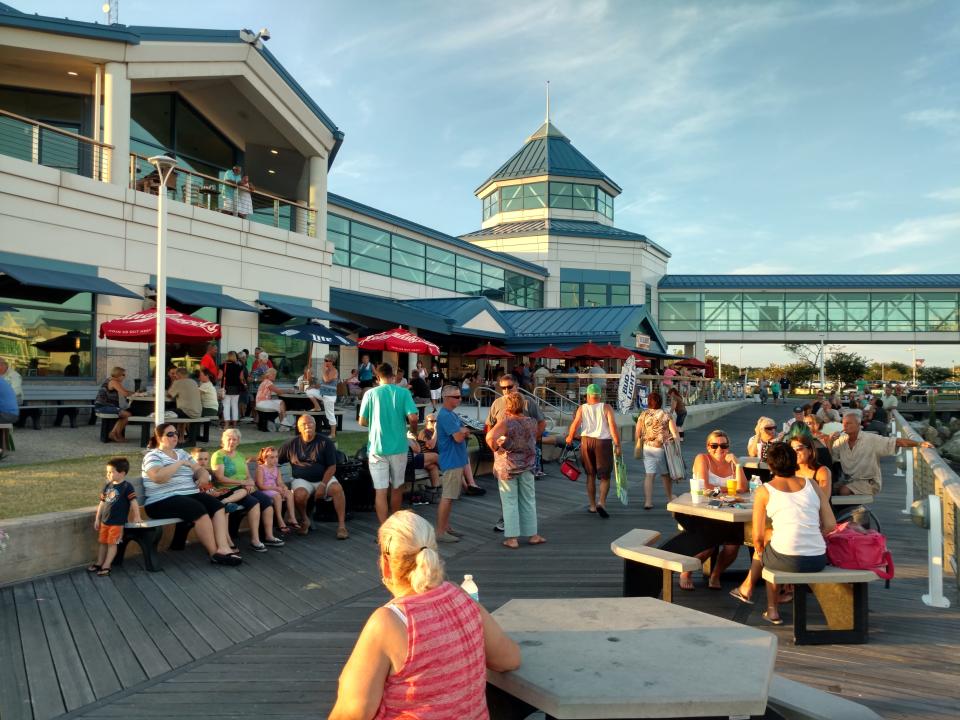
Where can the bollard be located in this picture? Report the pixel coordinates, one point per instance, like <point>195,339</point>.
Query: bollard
<point>899,472</point>
<point>910,465</point>
<point>935,597</point>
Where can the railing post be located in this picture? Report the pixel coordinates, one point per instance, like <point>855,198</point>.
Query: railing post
<point>909,483</point>
<point>899,472</point>
<point>133,171</point>
<point>35,144</point>
<point>935,597</point>
<point>276,213</point>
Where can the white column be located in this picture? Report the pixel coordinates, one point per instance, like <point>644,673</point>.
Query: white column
<point>317,193</point>
<point>412,357</point>
<point>116,120</point>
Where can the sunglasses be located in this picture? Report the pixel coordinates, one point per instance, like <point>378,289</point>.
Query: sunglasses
<point>507,387</point>
<point>770,428</point>
<point>714,446</point>
<point>173,433</point>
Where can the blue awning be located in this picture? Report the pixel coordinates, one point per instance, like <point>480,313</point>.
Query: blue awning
<point>59,285</point>
<point>296,310</point>
<point>204,298</point>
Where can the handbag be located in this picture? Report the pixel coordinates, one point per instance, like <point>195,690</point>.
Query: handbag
<point>674,456</point>
<point>568,465</point>
<point>620,477</point>
<point>852,547</point>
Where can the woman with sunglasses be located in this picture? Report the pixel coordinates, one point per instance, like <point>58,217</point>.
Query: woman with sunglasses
<point>808,465</point>
<point>715,467</point>
<point>171,483</point>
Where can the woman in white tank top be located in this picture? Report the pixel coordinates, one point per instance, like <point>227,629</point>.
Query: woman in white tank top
<point>800,513</point>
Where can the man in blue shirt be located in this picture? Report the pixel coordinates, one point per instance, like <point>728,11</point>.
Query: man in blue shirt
<point>452,447</point>
<point>9,410</point>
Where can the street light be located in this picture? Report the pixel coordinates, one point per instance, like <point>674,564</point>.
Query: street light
<point>823,379</point>
<point>165,166</point>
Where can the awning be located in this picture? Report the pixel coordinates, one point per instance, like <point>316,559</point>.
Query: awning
<point>386,310</point>
<point>47,284</point>
<point>192,298</point>
<point>296,310</point>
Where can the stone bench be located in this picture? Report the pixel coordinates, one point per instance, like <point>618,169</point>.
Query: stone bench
<point>842,595</point>
<point>797,701</point>
<point>638,556</point>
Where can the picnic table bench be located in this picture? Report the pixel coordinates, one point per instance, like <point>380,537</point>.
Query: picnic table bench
<point>199,428</point>
<point>67,400</point>
<point>636,551</point>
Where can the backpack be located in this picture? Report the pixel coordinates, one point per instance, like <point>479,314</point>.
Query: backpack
<point>852,547</point>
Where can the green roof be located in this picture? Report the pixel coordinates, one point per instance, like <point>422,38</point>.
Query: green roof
<point>548,152</point>
<point>567,228</point>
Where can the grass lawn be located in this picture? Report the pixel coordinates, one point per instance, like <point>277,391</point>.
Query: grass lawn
<point>76,482</point>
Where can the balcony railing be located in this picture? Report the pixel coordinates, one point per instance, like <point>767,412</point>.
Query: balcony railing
<point>199,190</point>
<point>44,144</point>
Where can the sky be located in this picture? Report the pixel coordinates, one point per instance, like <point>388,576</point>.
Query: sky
<point>748,137</point>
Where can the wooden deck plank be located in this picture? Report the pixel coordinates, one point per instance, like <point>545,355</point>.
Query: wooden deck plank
<point>198,634</point>
<point>119,653</point>
<point>206,598</point>
<point>14,688</point>
<point>71,676</point>
<point>154,624</point>
<point>45,698</point>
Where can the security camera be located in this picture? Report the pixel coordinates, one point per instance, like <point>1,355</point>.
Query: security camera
<point>264,34</point>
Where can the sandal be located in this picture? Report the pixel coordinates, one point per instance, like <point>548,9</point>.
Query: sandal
<point>93,568</point>
<point>285,530</point>
<point>773,621</point>
<point>737,595</point>
<point>536,540</point>
<point>103,572</point>
<point>222,559</point>
<point>511,543</point>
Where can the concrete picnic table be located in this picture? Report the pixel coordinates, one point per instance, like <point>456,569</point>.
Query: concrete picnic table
<point>629,658</point>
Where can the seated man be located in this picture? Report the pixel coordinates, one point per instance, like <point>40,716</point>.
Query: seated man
<point>185,391</point>
<point>9,410</point>
<point>859,456</point>
<point>313,459</point>
<point>871,424</point>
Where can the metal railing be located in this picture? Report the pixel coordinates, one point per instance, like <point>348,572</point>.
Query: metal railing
<point>54,147</point>
<point>693,390</point>
<point>195,188</point>
<point>933,476</point>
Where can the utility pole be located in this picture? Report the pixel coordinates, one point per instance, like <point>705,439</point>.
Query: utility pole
<point>822,378</point>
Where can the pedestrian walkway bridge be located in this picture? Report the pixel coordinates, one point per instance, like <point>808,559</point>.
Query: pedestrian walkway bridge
<point>268,639</point>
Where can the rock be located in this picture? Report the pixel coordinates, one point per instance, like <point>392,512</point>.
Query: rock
<point>931,435</point>
<point>951,448</point>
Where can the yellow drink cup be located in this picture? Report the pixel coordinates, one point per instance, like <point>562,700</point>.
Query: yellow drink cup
<point>732,486</point>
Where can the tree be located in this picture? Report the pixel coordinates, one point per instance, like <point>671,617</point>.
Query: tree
<point>934,375</point>
<point>887,371</point>
<point>846,367</point>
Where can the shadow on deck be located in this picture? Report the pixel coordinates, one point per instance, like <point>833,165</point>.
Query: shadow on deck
<point>269,638</point>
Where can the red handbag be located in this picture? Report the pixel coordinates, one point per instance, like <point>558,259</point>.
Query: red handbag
<point>852,547</point>
<point>568,465</point>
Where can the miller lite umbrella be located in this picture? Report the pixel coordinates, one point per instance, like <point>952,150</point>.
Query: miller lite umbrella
<point>313,332</point>
<point>142,327</point>
<point>398,340</point>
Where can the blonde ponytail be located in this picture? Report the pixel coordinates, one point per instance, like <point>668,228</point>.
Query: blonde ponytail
<point>409,545</point>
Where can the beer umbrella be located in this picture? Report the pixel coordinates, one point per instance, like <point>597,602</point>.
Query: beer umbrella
<point>550,352</point>
<point>588,350</point>
<point>142,327</point>
<point>488,351</point>
<point>398,340</point>
<point>313,332</point>
<point>692,363</point>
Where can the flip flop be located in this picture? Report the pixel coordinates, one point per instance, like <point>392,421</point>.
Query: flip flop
<point>93,568</point>
<point>511,544</point>
<point>539,541</point>
<point>737,595</point>
<point>648,507</point>
<point>602,512</point>
<point>103,572</point>
<point>772,621</point>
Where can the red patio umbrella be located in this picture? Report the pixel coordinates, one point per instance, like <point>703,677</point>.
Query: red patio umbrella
<point>550,353</point>
<point>488,351</point>
<point>142,327</point>
<point>588,350</point>
<point>691,363</point>
<point>398,340</point>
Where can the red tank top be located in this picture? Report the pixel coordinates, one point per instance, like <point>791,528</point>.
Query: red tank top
<point>444,675</point>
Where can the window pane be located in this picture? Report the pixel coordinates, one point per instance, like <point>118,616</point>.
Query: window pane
<point>441,269</point>
<point>376,235</point>
<point>408,246</point>
<point>408,273</point>
<point>465,263</point>
<point>534,195</point>
<point>468,288</point>
<point>441,255</point>
<point>447,283</point>
<point>493,271</point>
<point>338,224</point>
<point>849,312</point>
<point>805,312</point>
<point>619,294</point>
<point>151,120</point>
<point>408,260</point>
<point>197,138</point>
<point>62,335</point>
<point>891,312</point>
<point>722,311</point>
<point>369,249</point>
<point>511,198</point>
<point>763,311</point>
<point>360,262</point>
<point>288,355</point>
<point>936,312</point>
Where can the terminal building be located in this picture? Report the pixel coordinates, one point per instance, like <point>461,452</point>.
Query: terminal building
<point>83,105</point>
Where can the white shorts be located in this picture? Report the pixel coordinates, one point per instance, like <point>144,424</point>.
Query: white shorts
<point>329,409</point>
<point>388,471</point>
<point>311,487</point>
<point>655,460</point>
<point>435,394</point>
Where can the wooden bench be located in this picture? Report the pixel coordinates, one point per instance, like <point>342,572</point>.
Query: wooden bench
<point>199,430</point>
<point>638,557</point>
<point>67,400</point>
<point>323,427</point>
<point>842,595</point>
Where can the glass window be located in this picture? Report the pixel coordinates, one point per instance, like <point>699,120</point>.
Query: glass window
<point>491,204</point>
<point>468,264</point>
<point>40,339</point>
<point>805,312</point>
<point>584,197</point>
<point>534,196</point>
<point>408,260</point>
<point>594,295</point>
<point>151,120</point>
<point>561,195</point>
<point>936,312</point>
<point>891,312</point>
<point>849,312</point>
<point>410,247</point>
<point>763,312</point>
<point>511,198</point>
<point>722,311</point>
<point>370,234</point>
<point>604,203</point>
<point>619,295</point>
<point>569,294</point>
<point>441,255</point>
<point>338,224</point>
<point>680,311</point>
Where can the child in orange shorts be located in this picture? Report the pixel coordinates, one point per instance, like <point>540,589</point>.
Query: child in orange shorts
<point>117,499</point>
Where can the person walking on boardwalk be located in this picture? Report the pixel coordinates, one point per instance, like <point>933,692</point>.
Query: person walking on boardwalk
<point>599,440</point>
<point>513,441</point>
<point>452,448</point>
<point>388,411</point>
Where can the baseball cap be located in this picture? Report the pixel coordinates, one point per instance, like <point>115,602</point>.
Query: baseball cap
<point>594,389</point>
<point>798,409</point>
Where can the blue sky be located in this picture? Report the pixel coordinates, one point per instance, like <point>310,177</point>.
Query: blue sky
<point>747,136</point>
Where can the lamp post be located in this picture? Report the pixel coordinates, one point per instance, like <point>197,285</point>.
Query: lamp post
<point>822,375</point>
<point>165,166</point>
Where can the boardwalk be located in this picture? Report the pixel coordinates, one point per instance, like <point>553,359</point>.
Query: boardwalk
<point>268,639</point>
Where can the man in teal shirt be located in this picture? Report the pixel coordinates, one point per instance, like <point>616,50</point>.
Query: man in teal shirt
<point>388,411</point>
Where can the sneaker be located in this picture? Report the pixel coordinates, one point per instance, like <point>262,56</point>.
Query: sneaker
<point>258,547</point>
<point>447,538</point>
<point>499,526</point>
<point>274,542</point>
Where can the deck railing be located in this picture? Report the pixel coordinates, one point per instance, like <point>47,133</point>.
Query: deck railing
<point>933,476</point>
<point>44,144</point>
<point>216,194</point>
<point>693,390</point>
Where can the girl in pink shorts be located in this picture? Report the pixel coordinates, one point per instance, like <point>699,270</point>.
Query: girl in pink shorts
<point>268,481</point>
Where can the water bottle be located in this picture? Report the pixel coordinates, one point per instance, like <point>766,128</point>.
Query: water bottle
<point>470,587</point>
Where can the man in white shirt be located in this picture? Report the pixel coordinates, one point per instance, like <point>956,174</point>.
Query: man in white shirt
<point>889,400</point>
<point>859,455</point>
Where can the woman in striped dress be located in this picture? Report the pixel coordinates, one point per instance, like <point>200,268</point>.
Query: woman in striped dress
<point>425,653</point>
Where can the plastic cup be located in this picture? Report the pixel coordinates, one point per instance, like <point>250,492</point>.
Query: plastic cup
<point>696,490</point>
<point>732,486</point>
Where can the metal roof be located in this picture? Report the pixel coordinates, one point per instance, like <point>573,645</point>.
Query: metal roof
<point>462,310</point>
<point>372,212</point>
<point>134,34</point>
<point>548,152</point>
<point>567,228</point>
<point>808,282</point>
<point>361,304</point>
<point>571,326</point>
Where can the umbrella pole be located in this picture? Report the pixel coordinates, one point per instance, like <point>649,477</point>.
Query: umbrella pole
<point>164,169</point>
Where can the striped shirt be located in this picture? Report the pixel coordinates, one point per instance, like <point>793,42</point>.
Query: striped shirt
<point>444,675</point>
<point>181,483</point>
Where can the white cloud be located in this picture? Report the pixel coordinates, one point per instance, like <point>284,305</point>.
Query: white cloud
<point>945,119</point>
<point>359,166</point>
<point>923,234</point>
<point>946,195</point>
<point>764,268</point>
<point>474,158</point>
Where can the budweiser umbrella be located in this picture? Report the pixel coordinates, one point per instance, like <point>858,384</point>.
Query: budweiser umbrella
<point>142,327</point>
<point>313,332</point>
<point>690,363</point>
<point>588,350</point>
<point>488,351</point>
<point>398,340</point>
<point>550,353</point>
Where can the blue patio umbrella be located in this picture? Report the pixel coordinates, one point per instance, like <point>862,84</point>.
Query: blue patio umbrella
<point>313,332</point>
